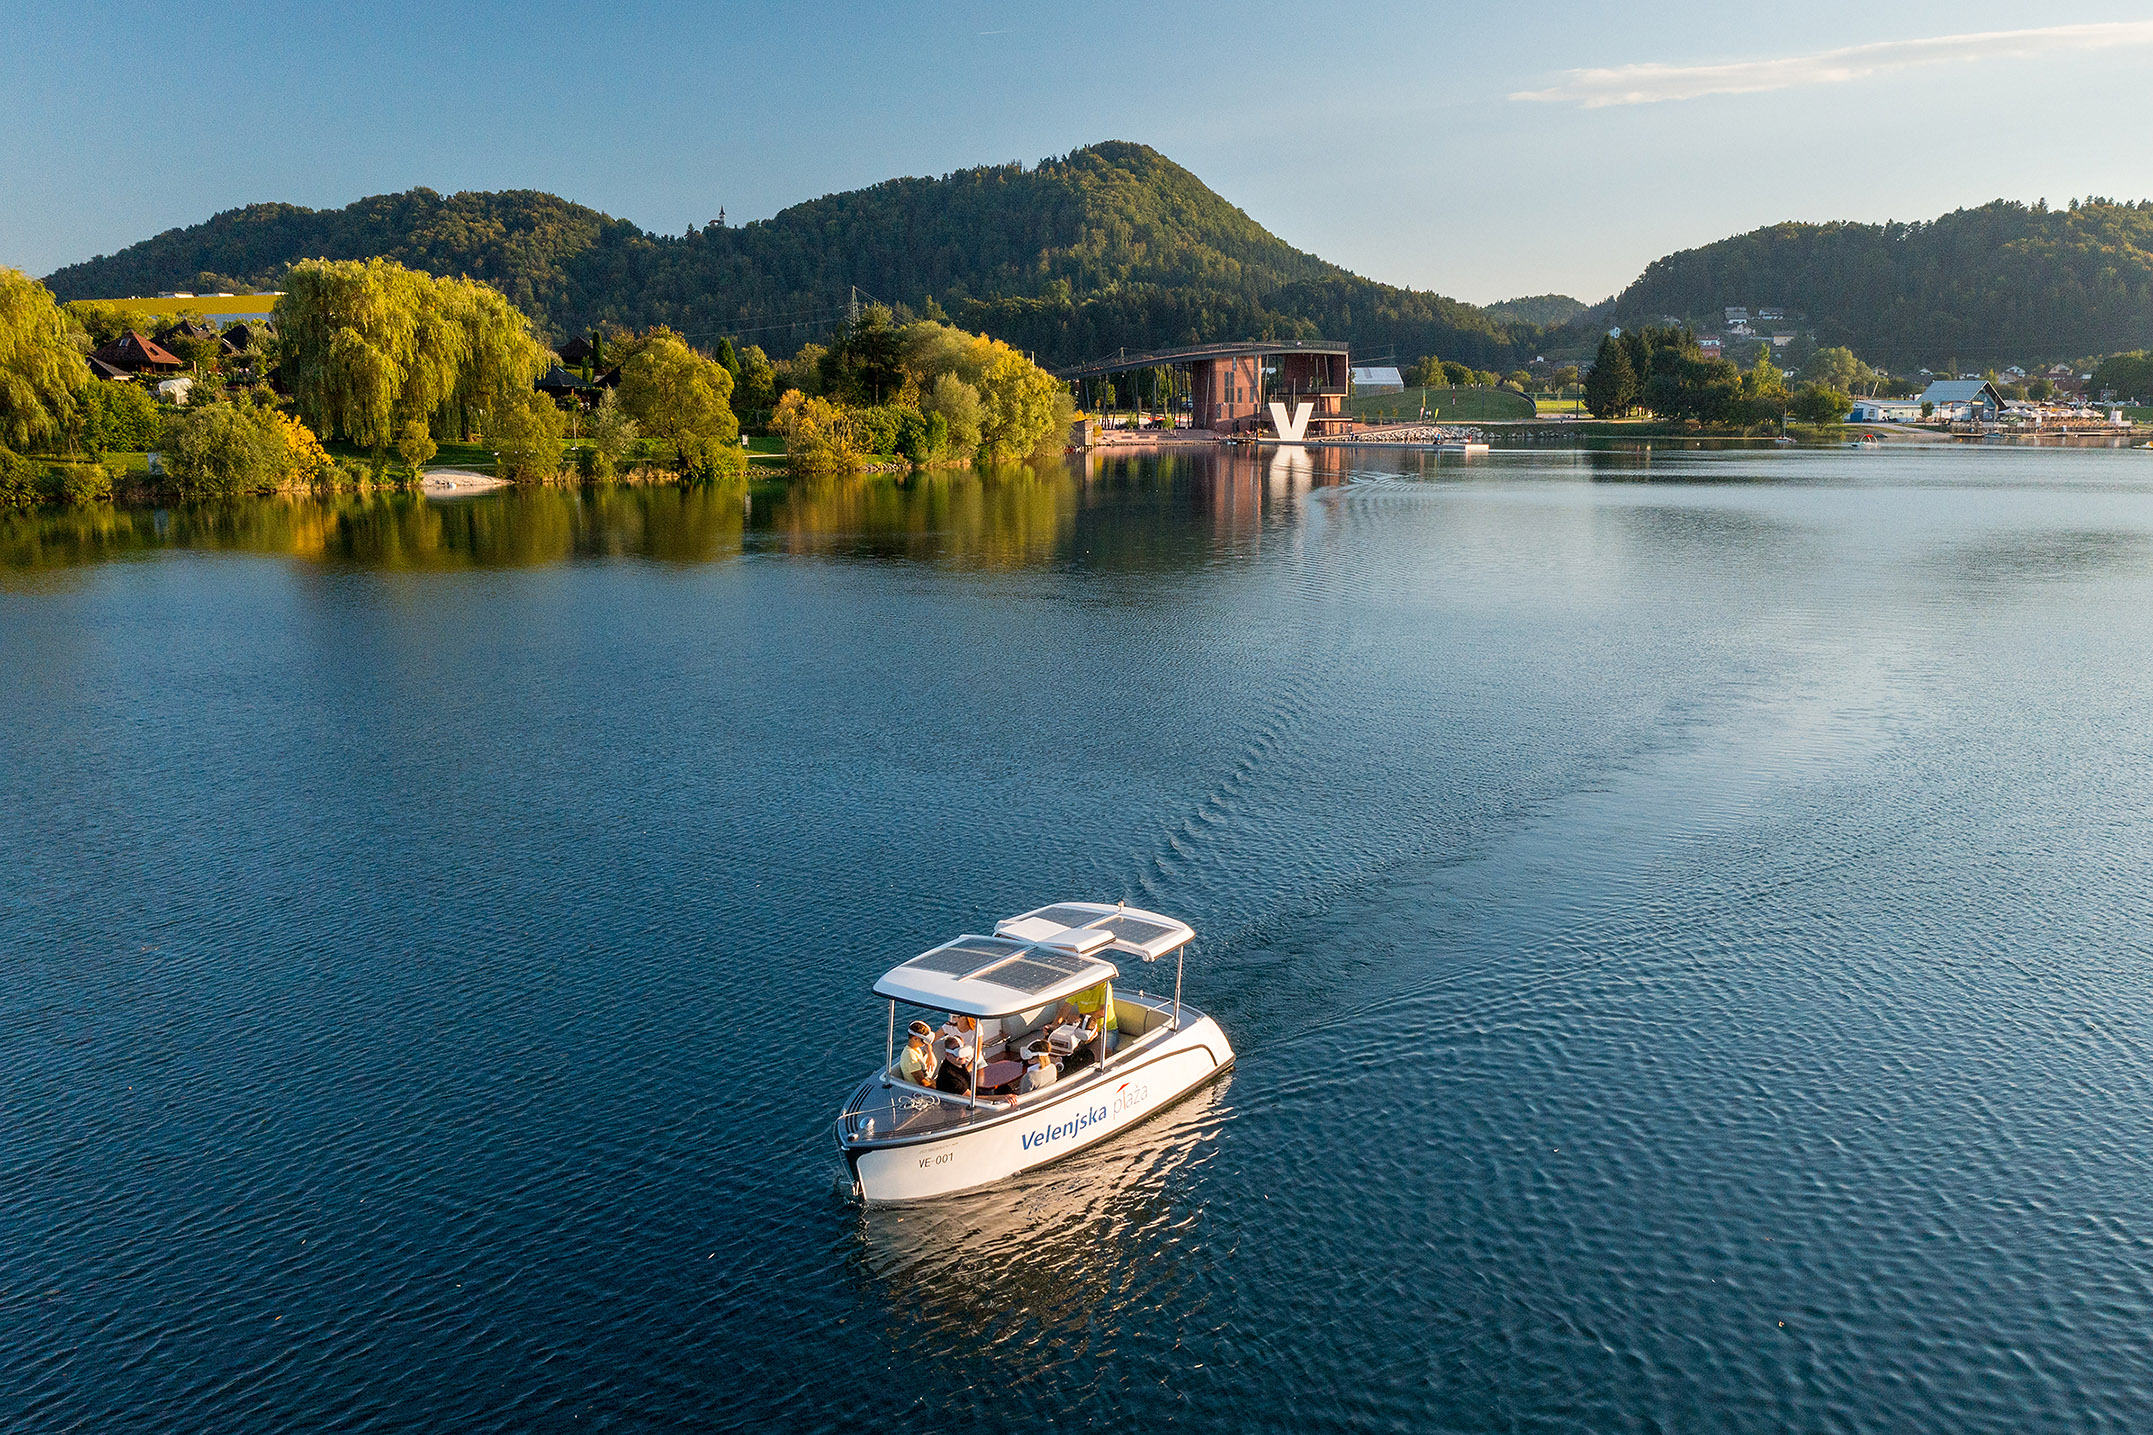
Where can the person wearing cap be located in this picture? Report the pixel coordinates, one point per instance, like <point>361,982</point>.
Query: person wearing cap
<point>917,1063</point>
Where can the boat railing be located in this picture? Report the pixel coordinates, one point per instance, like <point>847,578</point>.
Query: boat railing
<point>884,1107</point>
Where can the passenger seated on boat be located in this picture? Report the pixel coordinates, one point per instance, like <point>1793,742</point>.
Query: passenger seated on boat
<point>1093,1010</point>
<point>954,1073</point>
<point>917,1062</point>
<point>965,1029</point>
<point>1041,1072</point>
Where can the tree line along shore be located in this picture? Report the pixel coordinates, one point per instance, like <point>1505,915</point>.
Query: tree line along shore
<point>370,371</point>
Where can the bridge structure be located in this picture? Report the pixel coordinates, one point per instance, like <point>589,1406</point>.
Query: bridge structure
<point>1292,387</point>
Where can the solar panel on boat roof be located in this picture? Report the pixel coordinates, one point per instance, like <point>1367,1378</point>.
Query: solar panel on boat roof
<point>1031,973</point>
<point>1132,929</point>
<point>965,957</point>
<point>1066,916</point>
<point>1067,963</point>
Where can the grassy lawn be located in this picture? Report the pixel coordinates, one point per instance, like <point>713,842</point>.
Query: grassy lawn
<point>1544,406</point>
<point>2138,415</point>
<point>452,455</point>
<point>1450,406</point>
<point>765,450</point>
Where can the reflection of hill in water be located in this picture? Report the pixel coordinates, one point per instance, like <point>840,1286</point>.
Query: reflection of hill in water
<point>1139,513</point>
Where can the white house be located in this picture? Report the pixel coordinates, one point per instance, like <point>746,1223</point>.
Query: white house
<point>1885,411</point>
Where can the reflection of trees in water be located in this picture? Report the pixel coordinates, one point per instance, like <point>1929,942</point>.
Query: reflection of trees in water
<point>514,528</point>
<point>1040,1266</point>
<point>1126,514</point>
<point>1013,517</point>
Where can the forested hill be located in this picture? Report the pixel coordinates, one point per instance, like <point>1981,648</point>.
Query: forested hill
<point>2002,283</point>
<point>1112,246</point>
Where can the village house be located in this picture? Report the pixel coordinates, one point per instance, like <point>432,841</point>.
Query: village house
<point>133,354</point>
<point>1885,411</point>
<point>1964,400</point>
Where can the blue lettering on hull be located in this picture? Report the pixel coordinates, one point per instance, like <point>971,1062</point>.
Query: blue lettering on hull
<point>1063,1130</point>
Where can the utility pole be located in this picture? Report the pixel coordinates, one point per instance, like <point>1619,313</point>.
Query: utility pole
<point>852,312</point>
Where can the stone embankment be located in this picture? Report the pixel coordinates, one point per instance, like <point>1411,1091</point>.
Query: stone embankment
<point>1409,434</point>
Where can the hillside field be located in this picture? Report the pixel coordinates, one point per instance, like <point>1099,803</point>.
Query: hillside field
<point>237,306</point>
<point>1450,406</point>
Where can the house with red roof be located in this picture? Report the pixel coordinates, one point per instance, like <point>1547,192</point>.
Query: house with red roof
<point>137,355</point>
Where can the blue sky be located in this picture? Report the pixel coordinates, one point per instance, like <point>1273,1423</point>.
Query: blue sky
<point>1480,150</point>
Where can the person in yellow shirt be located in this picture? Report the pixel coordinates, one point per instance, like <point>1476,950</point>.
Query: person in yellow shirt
<point>1093,1010</point>
<point>917,1063</point>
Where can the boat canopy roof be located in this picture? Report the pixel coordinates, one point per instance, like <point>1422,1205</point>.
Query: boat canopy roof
<point>1034,959</point>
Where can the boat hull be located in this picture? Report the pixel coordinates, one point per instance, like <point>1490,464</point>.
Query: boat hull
<point>966,1158</point>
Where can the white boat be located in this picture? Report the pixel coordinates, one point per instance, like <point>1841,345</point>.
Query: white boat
<point>906,1142</point>
<point>1462,446</point>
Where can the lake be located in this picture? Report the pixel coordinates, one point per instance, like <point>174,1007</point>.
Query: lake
<point>1684,917</point>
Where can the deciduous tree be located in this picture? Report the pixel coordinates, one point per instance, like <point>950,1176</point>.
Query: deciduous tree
<point>1821,404</point>
<point>415,445</point>
<point>370,345</point>
<point>42,375</point>
<point>685,400</point>
<point>525,433</point>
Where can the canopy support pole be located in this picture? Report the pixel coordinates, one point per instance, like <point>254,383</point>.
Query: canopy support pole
<point>1180,954</point>
<point>889,1044</point>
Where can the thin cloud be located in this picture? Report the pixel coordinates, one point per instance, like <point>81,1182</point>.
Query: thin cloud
<point>1651,84</point>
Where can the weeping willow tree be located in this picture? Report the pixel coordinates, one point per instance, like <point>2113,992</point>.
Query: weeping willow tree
<point>371,347</point>
<point>41,373</point>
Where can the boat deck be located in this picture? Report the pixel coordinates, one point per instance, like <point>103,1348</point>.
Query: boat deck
<point>886,1108</point>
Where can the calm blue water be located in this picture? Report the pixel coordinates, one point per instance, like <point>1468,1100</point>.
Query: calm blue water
<point>1685,922</point>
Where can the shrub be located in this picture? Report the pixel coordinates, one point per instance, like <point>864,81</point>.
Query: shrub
<point>414,445</point>
<point>612,436</point>
<point>818,434</point>
<point>525,436</point>
<point>120,418</point>
<point>220,449</point>
<point>875,427</point>
<point>921,438</point>
<point>83,483</point>
<point>18,480</point>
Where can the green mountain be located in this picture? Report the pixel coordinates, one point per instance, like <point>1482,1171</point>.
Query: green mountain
<point>1113,246</point>
<point>1545,310</point>
<point>1999,284</point>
